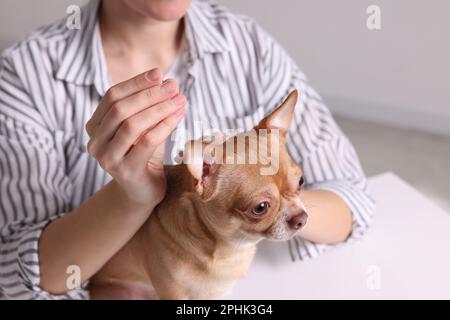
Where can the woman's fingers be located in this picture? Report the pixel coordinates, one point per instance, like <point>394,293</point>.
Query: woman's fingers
<point>138,83</point>
<point>124,109</point>
<point>121,91</point>
<point>131,129</point>
<point>149,142</point>
<point>133,119</point>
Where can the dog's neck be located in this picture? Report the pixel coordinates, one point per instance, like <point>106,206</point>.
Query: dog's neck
<point>182,212</point>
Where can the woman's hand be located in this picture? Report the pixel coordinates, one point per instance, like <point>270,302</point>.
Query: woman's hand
<point>128,130</point>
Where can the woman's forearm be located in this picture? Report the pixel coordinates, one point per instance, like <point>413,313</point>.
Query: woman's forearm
<point>127,133</point>
<point>329,217</point>
<point>89,236</point>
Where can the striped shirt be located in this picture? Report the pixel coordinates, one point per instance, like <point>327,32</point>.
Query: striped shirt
<point>232,73</point>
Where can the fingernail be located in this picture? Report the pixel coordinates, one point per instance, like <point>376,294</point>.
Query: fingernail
<point>180,112</point>
<point>168,87</point>
<point>152,75</point>
<point>178,100</point>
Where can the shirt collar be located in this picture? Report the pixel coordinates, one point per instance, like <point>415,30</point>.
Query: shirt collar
<point>83,61</point>
<point>202,30</point>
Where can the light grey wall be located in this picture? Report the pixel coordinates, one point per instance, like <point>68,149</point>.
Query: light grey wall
<point>400,74</point>
<point>19,17</point>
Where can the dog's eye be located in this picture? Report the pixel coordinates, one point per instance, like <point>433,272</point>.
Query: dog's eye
<point>261,208</point>
<point>301,182</point>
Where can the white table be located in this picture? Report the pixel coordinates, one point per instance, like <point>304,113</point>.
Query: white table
<point>404,255</point>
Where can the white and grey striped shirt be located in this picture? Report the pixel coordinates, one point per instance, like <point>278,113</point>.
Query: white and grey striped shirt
<point>233,74</point>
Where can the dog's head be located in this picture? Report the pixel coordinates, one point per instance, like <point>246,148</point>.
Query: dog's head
<point>249,186</point>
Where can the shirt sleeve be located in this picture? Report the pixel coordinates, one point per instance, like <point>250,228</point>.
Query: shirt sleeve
<point>315,141</point>
<point>34,187</point>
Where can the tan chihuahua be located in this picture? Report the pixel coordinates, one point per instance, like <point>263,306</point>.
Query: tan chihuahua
<point>202,237</point>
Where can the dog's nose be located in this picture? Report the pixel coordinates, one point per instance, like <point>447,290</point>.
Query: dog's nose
<point>298,221</point>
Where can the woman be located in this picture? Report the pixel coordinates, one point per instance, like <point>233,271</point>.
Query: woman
<point>102,87</point>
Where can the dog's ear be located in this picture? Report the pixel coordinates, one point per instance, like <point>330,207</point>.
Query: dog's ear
<point>201,162</point>
<point>282,116</point>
